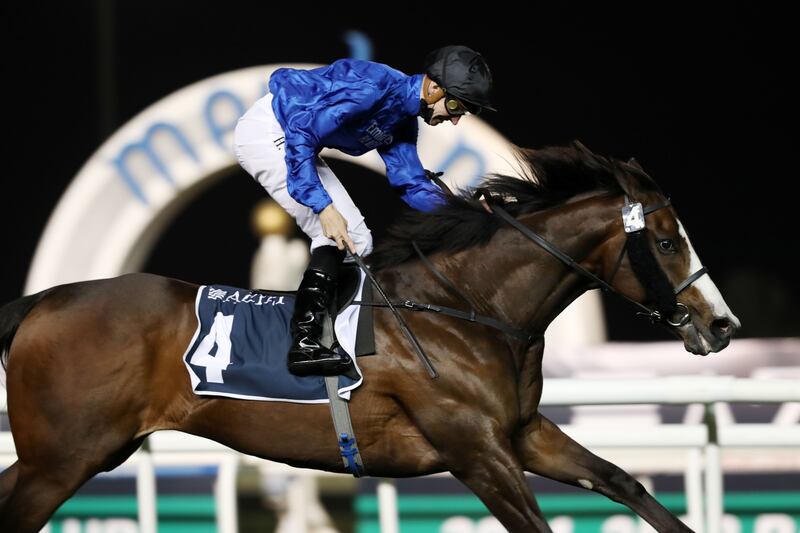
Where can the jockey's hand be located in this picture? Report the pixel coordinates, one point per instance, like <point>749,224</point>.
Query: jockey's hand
<point>334,226</point>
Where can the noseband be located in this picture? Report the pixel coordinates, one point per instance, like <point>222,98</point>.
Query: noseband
<point>643,263</point>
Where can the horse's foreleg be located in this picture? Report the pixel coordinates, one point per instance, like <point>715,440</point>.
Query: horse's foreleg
<point>545,450</point>
<point>496,476</point>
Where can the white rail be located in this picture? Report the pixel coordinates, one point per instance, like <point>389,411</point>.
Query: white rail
<point>669,390</point>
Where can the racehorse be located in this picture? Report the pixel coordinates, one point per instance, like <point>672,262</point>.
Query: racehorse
<point>94,367</point>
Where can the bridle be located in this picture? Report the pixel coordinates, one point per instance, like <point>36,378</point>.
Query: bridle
<point>643,263</point>
<point>658,287</point>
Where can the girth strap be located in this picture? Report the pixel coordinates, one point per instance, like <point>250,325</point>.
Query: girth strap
<point>346,437</point>
<point>340,413</point>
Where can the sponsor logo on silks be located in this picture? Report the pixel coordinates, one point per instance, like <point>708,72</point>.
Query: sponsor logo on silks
<point>374,137</point>
<point>248,298</point>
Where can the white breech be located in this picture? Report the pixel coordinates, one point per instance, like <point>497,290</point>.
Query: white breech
<point>259,145</point>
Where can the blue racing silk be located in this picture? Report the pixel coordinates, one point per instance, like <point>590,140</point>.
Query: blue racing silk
<point>353,106</point>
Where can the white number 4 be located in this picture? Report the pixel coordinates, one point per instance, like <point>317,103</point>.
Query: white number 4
<point>633,217</point>
<point>220,334</point>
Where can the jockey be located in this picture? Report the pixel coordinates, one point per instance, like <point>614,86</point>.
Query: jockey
<point>353,106</point>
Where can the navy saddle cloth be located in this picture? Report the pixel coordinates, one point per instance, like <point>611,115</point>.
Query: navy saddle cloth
<point>240,345</point>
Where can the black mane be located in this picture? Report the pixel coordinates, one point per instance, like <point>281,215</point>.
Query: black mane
<point>550,177</point>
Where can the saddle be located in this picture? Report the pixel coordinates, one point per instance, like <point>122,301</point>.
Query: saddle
<point>346,290</point>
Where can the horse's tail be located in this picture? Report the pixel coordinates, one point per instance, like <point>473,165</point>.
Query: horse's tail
<point>11,316</point>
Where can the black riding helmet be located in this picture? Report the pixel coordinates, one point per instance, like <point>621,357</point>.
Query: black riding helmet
<point>463,73</point>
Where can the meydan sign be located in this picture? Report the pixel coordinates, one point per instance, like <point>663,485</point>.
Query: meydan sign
<point>143,176</point>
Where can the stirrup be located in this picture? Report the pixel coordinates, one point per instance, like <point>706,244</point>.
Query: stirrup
<point>319,366</point>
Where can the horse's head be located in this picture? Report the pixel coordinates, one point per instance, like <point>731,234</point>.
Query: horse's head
<point>660,267</point>
<point>652,262</point>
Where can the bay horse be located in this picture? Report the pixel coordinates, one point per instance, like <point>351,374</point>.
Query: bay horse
<point>94,367</point>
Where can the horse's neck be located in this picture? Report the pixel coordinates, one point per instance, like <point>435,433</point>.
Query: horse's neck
<point>511,278</point>
<point>517,281</point>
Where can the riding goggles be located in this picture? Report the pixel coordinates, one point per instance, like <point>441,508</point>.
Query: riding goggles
<point>456,107</point>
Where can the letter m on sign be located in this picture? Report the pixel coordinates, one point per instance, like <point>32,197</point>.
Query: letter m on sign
<point>147,147</point>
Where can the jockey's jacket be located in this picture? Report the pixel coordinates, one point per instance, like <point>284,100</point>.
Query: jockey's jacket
<point>353,106</point>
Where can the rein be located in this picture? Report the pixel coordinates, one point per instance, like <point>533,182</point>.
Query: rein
<point>471,315</point>
<point>634,228</point>
<point>633,214</point>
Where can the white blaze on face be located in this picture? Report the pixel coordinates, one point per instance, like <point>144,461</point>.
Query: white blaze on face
<point>704,284</point>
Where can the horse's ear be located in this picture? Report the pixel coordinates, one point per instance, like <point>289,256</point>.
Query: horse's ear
<point>631,181</point>
<point>635,164</point>
<point>580,146</point>
<point>627,180</point>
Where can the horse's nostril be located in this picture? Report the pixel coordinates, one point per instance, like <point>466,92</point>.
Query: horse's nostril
<point>722,328</point>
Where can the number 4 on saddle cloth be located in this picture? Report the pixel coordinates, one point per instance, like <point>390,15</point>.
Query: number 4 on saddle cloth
<point>242,338</point>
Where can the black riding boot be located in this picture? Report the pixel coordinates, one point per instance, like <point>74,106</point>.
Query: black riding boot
<point>307,355</point>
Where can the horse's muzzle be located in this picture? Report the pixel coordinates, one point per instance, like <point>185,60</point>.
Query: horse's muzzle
<point>702,338</point>
<point>723,330</point>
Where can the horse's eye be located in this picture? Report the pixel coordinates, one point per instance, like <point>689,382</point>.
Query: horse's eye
<point>666,246</point>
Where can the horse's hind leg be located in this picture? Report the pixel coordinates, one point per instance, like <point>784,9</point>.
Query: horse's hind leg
<point>545,450</point>
<point>35,497</point>
<point>76,399</point>
<point>63,436</point>
<point>39,487</point>
<point>8,478</point>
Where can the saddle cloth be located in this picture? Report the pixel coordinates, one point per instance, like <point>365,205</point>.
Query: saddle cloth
<point>239,347</point>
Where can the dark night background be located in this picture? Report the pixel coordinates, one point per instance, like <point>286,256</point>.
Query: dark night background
<point>698,95</point>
